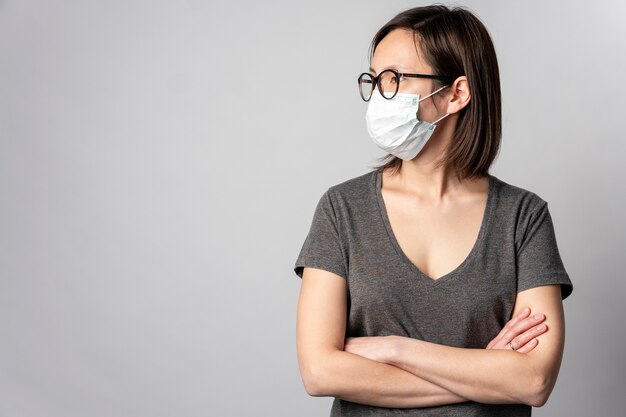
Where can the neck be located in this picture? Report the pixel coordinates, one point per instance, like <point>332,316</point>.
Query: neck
<point>421,177</point>
<point>427,182</point>
<point>432,184</point>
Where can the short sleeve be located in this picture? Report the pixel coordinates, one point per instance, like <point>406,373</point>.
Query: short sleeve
<point>538,259</point>
<point>322,248</point>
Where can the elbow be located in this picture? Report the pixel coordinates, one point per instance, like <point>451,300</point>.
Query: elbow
<point>313,379</point>
<point>540,392</point>
<point>538,400</point>
<point>312,384</point>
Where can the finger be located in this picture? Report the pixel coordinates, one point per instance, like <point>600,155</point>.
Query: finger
<point>525,312</point>
<point>522,326</point>
<point>528,346</point>
<point>528,335</point>
<point>507,327</point>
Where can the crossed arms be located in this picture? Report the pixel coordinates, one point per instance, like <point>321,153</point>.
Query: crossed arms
<point>400,372</point>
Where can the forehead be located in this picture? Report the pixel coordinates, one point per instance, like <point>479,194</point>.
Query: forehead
<point>398,49</point>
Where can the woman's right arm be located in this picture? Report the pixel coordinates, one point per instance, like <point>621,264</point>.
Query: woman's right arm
<point>327,370</point>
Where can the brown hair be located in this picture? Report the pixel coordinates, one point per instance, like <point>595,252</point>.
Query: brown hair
<point>455,43</point>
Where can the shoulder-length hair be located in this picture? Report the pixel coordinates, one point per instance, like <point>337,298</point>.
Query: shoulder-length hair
<point>455,42</point>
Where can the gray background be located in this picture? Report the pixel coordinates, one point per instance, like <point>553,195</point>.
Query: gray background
<point>159,167</point>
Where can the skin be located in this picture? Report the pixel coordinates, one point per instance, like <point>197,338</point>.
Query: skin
<point>396,371</point>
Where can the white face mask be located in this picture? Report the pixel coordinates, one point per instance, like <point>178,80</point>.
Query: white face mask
<point>394,126</point>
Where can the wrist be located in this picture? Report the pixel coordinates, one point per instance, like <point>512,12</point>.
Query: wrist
<point>401,348</point>
<point>405,350</point>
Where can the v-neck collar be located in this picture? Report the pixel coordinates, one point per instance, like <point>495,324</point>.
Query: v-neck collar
<point>486,220</point>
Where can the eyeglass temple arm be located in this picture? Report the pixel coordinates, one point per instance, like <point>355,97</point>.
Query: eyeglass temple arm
<point>436,77</point>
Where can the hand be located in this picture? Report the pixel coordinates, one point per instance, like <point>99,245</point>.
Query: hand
<point>521,331</point>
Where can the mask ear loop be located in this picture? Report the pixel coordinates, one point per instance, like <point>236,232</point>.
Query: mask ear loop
<point>431,94</point>
<point>441,118</point>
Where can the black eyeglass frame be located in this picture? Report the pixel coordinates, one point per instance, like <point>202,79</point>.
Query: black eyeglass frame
<point>397,74</point>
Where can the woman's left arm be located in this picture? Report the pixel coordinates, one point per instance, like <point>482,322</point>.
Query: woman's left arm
<point>483,375</point>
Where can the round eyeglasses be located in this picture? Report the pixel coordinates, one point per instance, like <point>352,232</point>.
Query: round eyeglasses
<point>388,82</point>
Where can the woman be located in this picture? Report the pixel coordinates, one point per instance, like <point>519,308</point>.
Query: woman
<point>419,277</point>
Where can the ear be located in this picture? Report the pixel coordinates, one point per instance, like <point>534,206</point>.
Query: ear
<point>459,95</point>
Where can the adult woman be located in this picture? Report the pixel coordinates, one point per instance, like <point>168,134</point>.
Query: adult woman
<point>429,254</point>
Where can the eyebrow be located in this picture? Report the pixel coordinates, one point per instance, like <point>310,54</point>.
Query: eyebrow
<point>397,67</point>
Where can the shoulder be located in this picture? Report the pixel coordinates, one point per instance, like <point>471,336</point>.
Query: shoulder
<point>353,185</point>
<point>350,198</point>
<point>352,190</point>
<point>516,199</point>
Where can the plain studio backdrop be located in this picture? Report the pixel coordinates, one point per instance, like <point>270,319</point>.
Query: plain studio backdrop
<point>160,162</point>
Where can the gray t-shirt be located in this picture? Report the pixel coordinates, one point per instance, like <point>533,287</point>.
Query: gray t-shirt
<point>516,249</point>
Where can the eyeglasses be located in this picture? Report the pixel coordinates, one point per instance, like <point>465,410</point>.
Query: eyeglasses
<point>388,82</point>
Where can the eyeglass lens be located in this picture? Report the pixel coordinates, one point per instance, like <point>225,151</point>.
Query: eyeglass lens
<point>387,84</point>
<point>366,86</point>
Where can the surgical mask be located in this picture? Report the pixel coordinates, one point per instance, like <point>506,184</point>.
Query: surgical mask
<point>393,124</point>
